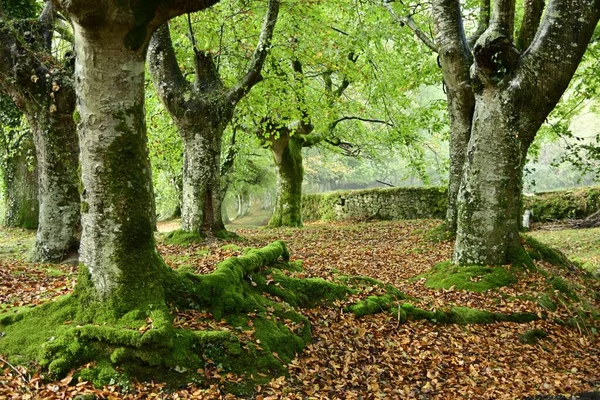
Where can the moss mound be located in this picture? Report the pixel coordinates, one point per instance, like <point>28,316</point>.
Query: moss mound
<point>183,238</point>
<point>254,330</point>
<point>473,278</point>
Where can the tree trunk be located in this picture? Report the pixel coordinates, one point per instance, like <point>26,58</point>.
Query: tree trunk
<point>489,200</point>
<point>21,188</point>
<point>461,103</point>
<point>201,210</point>
<point>287,152</point>
<point>117,243</point>
<point>57,151</point>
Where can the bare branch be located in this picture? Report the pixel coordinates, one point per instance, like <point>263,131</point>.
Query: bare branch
<point>253,74</point>
<point>333,125</point>
<point>411,24</point>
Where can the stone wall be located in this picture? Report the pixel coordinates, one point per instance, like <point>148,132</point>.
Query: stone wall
<point>563,204</point>
<point>378,204</point>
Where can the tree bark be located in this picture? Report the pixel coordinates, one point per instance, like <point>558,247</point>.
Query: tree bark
<point>489,199</point>
<point>21,187</point>
<point>43,92</point>
<point>287,153</point>
<point>514,95</point>
<point>57,151</point>
<point>455,61</point>
<point>202,201</point>
<point>117,243</point>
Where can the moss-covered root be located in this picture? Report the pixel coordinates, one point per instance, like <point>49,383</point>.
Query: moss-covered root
<point>454,315</point>
<point>532,336</point>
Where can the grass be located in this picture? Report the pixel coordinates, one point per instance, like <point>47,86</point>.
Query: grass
<point>581,245</point>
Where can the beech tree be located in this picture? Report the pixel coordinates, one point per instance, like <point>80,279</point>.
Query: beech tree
<point>202,111</point>
<point>42,88</point>
<point>516,77</point>
<point>18,167</point>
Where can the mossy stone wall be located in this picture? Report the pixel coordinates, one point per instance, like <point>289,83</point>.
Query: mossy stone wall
<point>564,204</point>
<point>378,204</point>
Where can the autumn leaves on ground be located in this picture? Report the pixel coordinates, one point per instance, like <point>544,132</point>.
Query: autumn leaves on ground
<point>375,356</point>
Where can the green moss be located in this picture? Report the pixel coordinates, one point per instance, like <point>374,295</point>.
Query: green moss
<point>547,303</point>
<point>372,305</point>
<point>180,237</point>
<point>85,207</point>
<point>143,342</point>
<point>563,287</point>
<point>439,234</point>
<point>288,204</point>
<point>565,204</point>
<point>532,336</point>
<point>231,247</point>
<point>463,315</point>
<point>76,117</point>
<point>472,278</point>
<point>224,234</point>
<point>300,292</point>
<point>539,251</point>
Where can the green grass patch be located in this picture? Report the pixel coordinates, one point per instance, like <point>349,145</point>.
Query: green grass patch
<point>472,278</point>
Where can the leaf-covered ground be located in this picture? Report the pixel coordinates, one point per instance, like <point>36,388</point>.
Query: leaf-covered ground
<point>373,356</point>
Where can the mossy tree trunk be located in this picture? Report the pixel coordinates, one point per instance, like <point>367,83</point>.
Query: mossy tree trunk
<point>43,90</point>
<point>117,242</point>
<point>287,153</point>
<point>202,111</point>
<point>57,151</point>
<point>201,211</point>
<point>21,186</point>
<point>515,90</point>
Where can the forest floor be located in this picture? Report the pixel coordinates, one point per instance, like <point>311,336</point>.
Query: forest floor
<point>371,357</point>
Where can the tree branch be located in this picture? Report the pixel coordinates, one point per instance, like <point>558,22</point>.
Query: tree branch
<point>532,15</point>
<point>166,75</point>
<point>253,74</point>
<point>503,17</point>
<point>555,53</point>
<point>333,125</point>
<point>482,23</point>
<point>46,21</point>
<point>410,23</point>
<point>454,53</point>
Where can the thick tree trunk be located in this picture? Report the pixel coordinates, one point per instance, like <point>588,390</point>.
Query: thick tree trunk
<point>489,199</point>
<point>117,243</point>
<point>21,188</point>
<point>201,210</point>
<point>57,151</point>
<point>287,152</point>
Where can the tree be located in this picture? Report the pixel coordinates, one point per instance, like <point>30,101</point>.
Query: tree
<point>19,172</point>
<point>17,151</point>
<point>516,81</point>
<point>202,111</point>
<point>42,89</point>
